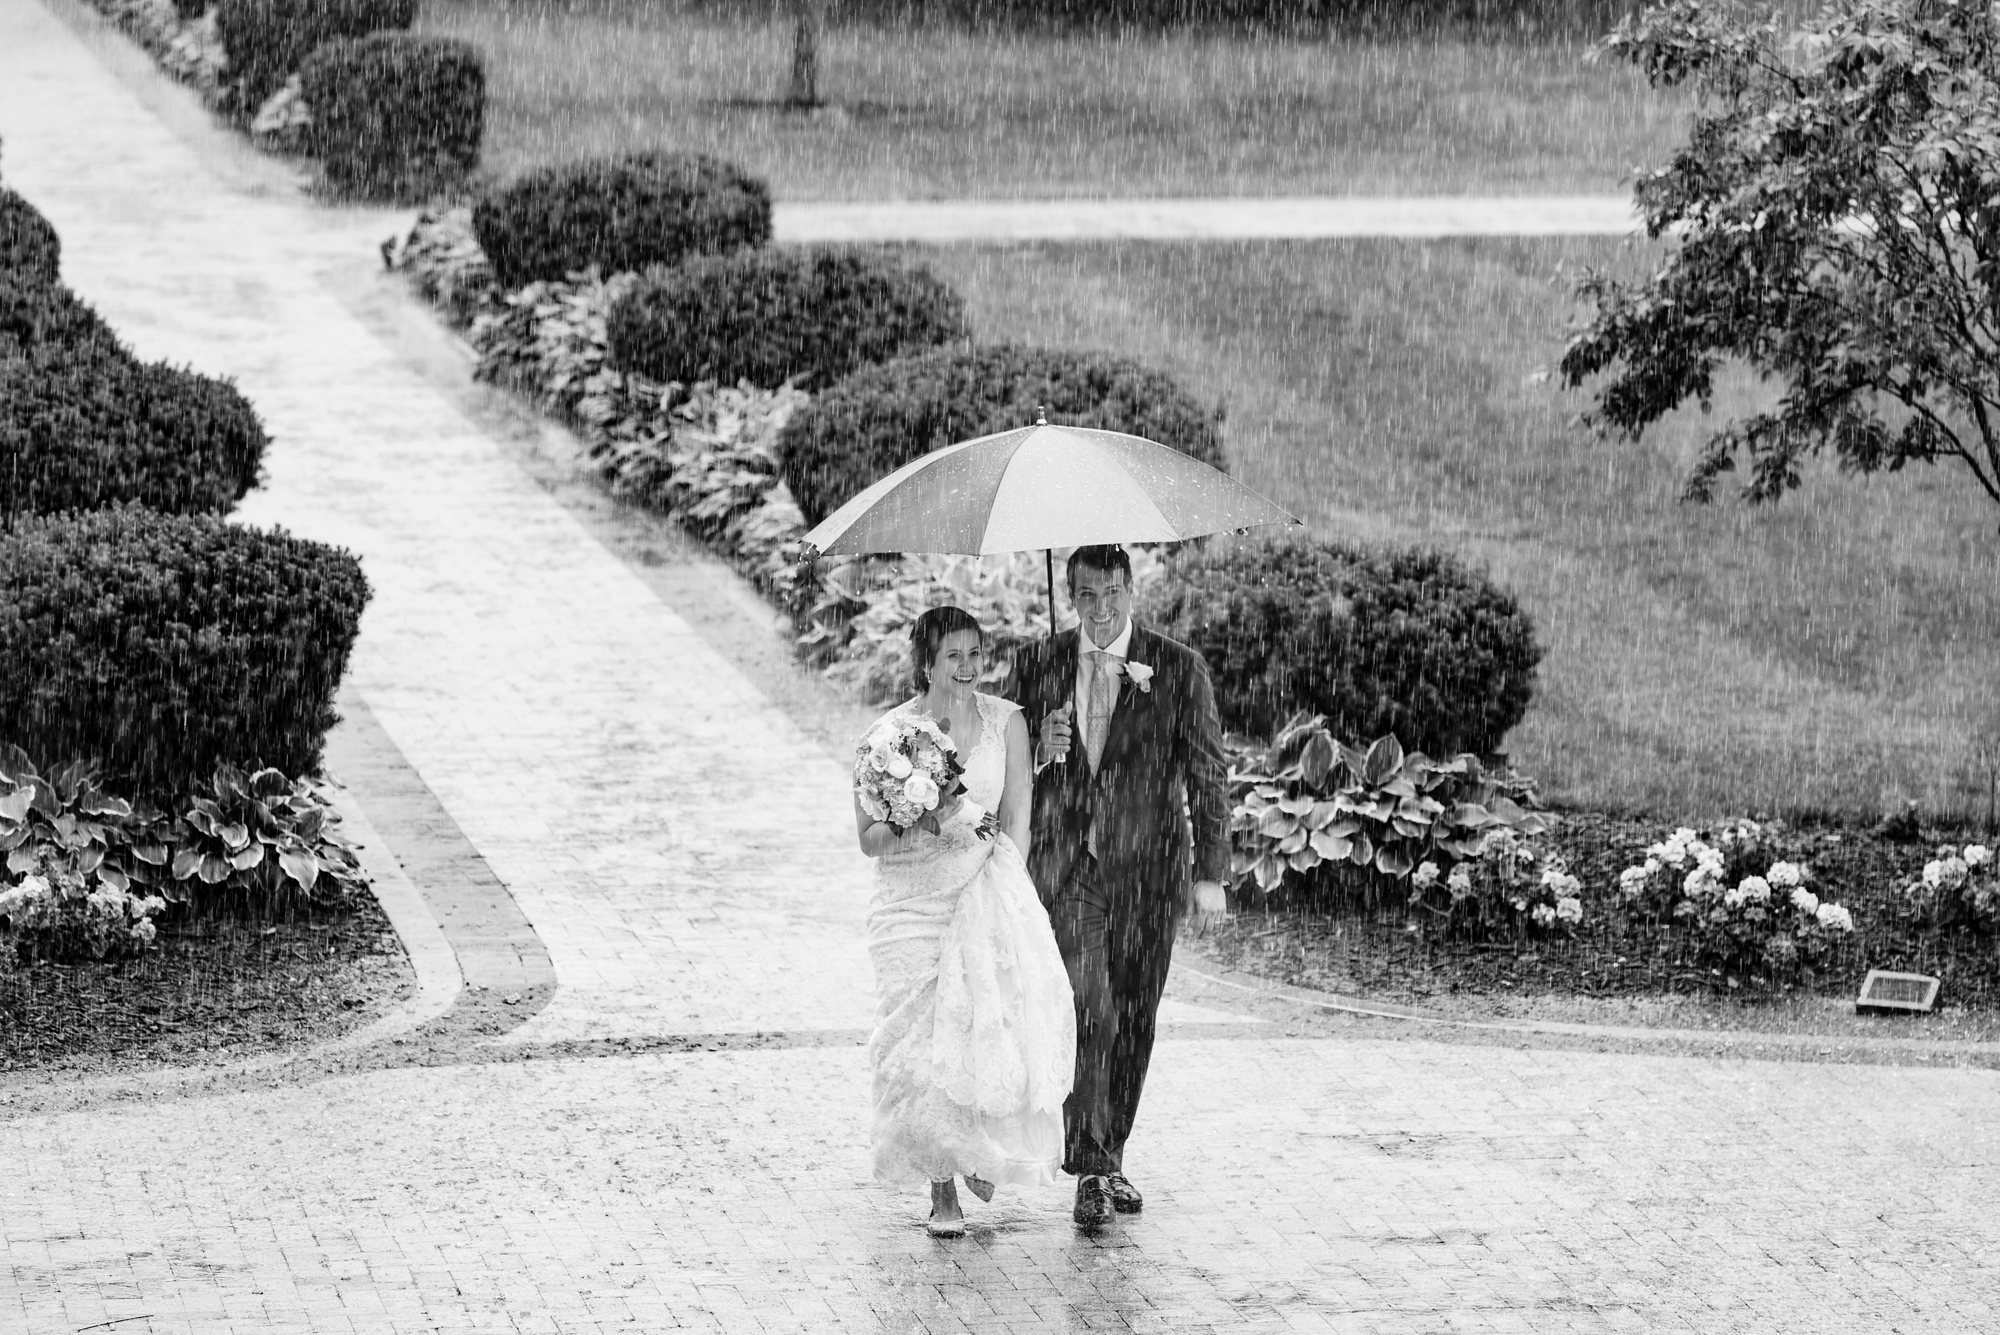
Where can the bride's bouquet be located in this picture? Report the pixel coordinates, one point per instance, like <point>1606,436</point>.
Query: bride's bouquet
<point>905,768</point>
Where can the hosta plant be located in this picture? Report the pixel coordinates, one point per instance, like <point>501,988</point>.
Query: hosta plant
<point>265,836</point>
<point>65,815</point>
<point>1311,799</point>
<point>1744,910</point>
<point>1960,886</point>
<point>52,912</point>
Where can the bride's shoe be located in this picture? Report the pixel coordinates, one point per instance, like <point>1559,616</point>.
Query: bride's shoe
<point>979,1187</point>
<point>946,1228</point>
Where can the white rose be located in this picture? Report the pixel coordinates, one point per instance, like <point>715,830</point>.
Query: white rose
<point>1977,855</point>
<point>899,766</point>
<point>921,790</point>
<point>1805,900</point>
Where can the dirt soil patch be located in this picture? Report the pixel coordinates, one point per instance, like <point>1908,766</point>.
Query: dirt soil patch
<point>211,991</point>
<point>1623,970</point>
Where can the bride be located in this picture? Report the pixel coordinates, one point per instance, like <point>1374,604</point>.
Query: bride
<point>975,1033</point>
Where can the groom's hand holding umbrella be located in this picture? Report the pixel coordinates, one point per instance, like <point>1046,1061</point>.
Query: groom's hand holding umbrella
<point>1056,733</point>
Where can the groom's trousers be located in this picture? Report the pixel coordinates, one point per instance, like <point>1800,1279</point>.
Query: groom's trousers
<point>1117,959</point>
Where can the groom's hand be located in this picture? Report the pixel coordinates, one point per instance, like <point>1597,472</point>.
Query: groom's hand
<point>1055,735</point>
<point>1211,904</point>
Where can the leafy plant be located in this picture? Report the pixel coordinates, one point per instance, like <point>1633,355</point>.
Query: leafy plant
<point>1835,226</point>
<point>394,116</point>
<point>1511,883</point>
<point>1408,641</point>
<point>1959,887</point>
<point>263,836</point>
<point>619,214</point>
<point>1311,799</point>
<point>51,914</point>
<point>268,40</point>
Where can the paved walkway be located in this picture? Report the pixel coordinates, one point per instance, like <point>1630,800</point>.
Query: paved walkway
<point>683,853</point>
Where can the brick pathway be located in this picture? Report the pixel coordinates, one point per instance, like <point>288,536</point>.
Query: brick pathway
<point>595,753</point>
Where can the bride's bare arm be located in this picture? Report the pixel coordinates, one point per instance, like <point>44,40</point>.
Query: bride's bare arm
<point>1017,799</point>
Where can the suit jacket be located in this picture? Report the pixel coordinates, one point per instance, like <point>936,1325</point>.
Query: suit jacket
<point>1165,746</point>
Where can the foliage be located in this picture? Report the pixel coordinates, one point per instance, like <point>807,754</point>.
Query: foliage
<point>1310,799</point>
<point>619,214</point>
<point>269,40</point>
<point>89,425</point>
<point>33,312</point>
<point>1836,218</point>
<point>254,839</point>
<point>1511,885</point>
<point>30,250</point>
<point>770,316</point>
<point>52,914</point>
<point>1745,910</point>
<point>1409,642</point>
<point>394,115</point>
<point>1960,886</point>
<point>881,417</point>
<point>165,646</point>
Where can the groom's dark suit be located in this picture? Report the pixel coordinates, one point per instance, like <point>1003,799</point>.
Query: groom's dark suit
<point>1115,912</point>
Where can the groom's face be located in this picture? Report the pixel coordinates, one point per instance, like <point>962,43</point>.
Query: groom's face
<point>1103,601</point>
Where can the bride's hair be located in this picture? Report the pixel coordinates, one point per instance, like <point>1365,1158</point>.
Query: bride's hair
<point>927,635</point>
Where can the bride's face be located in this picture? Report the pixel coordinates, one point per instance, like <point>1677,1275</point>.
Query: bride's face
<point>960,659</point>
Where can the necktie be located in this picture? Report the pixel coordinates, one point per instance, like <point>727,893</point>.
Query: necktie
<point>1103,691</point>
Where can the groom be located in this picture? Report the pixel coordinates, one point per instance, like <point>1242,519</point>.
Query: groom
<point>1126,727</point>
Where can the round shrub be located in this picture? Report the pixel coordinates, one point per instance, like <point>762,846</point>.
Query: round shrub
<point>881,417</point>
<point>267,40</point>
<point>1409,642</point>
<point>394,116</point>
<point>768,315</point>
<point>87,426</point>
<point>33,312</point>
<point>190,10</point>
<point>166,645</point>
<point>30,250</point>
<point>619,214</point>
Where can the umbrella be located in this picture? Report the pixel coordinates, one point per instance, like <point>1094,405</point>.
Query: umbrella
<point>1042,486</point>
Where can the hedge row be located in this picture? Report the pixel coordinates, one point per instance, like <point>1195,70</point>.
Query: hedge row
<point>166,645</point>
<point>268,40</point>
<point>394,116</point>
<point>29,248</point>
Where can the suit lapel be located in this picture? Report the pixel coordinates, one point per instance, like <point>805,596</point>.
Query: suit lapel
<point>1133,704</point>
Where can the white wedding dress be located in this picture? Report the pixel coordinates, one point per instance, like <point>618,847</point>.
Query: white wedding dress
<point>975,1034</point>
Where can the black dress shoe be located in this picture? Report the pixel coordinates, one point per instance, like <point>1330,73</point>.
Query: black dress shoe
<point>1125,1197</point>
<point>1093,1203</point>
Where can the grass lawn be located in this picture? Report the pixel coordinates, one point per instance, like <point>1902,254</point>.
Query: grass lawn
<point>944,112</point>
<point>1836,651</point>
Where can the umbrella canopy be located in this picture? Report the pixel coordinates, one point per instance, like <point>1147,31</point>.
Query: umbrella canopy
<point>1041,486</point>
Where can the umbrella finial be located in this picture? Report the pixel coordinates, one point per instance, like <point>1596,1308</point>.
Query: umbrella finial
<point>1041,415</point>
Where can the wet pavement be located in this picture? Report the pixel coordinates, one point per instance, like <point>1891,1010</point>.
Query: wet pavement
<point>680,853</point>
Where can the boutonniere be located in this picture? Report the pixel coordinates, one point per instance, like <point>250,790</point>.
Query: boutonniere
<point>1141,675</point>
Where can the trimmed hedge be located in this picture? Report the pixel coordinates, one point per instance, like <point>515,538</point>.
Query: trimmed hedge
<point>89,426</point>
<point>190,10</point>
<point>619,214</point>
<point>166,645</point>
<point>268,40</point>
<point>30,250</point>
<point>768,315</point>
<point>1409,642</point>
<point>395,116</point>
<point>881,417</point>
<point>33,312</point>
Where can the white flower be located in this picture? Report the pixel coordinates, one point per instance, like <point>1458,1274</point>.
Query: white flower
<point>1952,873</point>
<point>899,766</point>
<point>1425,875</point>
<point>1521,906</point>
<point>143,931</point>
<point>1702,883</point>
<point>1754,888</point>
<point>1543,915</point>
<point>1141,675</point>
<point>1734,899</point>
<point>922,790</point>
<point>1804,900</point>
<point>1569,909</point>
<point>1834,917</point>
<point>1933,873</point>
<point>876,808</point>
<point>1632,881</point>
<point>1785,875</point>
<point>1977,855</point>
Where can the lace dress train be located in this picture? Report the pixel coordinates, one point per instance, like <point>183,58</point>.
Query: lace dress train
<point>975,1035</point>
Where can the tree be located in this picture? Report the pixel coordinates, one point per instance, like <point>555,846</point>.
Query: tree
<point>808,17</point>
<point>1835,225</point>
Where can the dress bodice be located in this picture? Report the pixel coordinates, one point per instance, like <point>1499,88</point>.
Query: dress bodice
<point>985,778</point>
